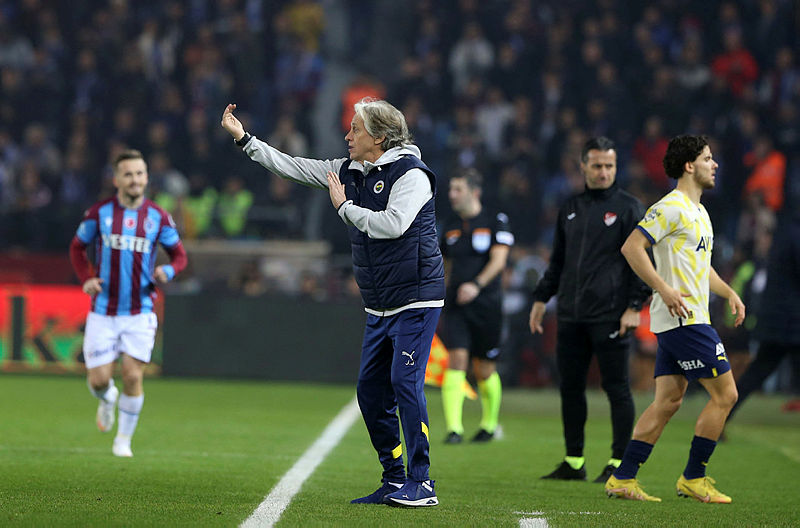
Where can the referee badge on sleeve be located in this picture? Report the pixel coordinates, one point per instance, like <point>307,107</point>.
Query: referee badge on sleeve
<point>481,240</point>
<point>452,236</point>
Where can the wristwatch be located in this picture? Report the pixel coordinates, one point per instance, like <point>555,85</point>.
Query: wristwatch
<point>243,141</point>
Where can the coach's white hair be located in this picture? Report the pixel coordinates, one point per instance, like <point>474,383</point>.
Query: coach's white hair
<point>381,119</point>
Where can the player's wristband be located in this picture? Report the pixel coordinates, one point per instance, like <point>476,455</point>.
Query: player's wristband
<point>243,141</point>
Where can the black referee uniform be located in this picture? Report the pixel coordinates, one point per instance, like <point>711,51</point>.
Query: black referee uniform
<point>475,326</point>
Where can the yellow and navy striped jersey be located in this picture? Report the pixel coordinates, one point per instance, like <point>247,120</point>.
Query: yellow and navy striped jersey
<point>682,239</point>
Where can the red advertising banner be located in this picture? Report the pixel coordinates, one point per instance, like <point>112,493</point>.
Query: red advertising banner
<point>41,328</point>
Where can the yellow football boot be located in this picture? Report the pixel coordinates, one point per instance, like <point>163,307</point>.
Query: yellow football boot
<point>627,489</point>
<point>701,489</point>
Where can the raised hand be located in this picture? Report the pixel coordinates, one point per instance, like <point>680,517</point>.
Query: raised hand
<point>231,124</point>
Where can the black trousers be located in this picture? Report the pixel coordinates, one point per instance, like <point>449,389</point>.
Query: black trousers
<point>577,342</point>
<point>769,356</point>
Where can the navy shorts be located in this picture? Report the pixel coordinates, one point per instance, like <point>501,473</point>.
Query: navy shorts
<point>694,351</point>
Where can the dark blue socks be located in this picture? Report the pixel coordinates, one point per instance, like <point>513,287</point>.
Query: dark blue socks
<point>635,455</point>
<point>698,457</point>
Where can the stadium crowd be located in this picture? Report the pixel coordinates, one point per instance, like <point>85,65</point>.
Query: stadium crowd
<point>510,87</point>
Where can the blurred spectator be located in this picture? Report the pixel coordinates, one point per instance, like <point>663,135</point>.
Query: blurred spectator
<point>735,64</point>
<point>491,118</point>
<point>649,150</point>
<point>298,72</point>
<point>770,32</point>
<point>305,19</point>
<point>692,72</point>
<point>465,145</point>
<point>16,50</point>
<point>471,56</point>
<point>28,221</point>
<point>40,150</point>
<point>769,172</point>
<point>158,48</point>
<point>287,138</point>
<point>233,206</point>
<point>199,207</point>
<point>781,83</point>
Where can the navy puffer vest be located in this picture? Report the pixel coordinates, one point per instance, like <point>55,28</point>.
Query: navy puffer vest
<point>394,272</point>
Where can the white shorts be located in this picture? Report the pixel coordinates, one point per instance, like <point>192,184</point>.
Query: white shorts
<point>107,336</point>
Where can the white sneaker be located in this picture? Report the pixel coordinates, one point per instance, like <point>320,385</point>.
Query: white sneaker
<point>122,447</point>
<point>106,411</point>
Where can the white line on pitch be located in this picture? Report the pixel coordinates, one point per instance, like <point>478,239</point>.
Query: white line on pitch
<point>533,522</point>
<point>273,505</point>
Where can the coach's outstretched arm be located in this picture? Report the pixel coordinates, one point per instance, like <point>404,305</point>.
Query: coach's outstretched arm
<point>406,198</point>
<point>310,172</point>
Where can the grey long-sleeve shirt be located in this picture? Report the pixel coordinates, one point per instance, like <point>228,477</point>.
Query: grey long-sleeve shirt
<point>408,194</point>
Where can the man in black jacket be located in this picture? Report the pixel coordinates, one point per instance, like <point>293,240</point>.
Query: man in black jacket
<point>599,299</point>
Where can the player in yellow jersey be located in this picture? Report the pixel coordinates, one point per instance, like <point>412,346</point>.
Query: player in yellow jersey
<point>678,229</point>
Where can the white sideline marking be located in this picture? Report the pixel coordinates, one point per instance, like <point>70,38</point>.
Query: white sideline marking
<point>273,505</point>
<point>540,521</point>
<point>533,522</point>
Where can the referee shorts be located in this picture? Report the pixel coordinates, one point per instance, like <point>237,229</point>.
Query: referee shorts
<point>475,328</point>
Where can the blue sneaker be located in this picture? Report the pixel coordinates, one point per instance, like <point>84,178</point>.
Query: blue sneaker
<point>376,497</point>
<point>413,494</point>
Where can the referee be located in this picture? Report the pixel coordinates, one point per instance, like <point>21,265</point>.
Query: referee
<point>599,299</point>
<point>475,247</point>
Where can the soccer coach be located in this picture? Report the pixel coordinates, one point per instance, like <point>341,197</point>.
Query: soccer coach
<point>385,195</point>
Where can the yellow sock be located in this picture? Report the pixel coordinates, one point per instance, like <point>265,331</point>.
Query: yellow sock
<point>453,399</point>
<point>575,462</point>
<point>491,391</point>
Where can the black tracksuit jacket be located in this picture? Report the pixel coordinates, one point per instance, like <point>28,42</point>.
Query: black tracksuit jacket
<point>593,280</point>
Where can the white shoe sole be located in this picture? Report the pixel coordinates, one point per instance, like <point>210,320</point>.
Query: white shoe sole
<point>428,501</point>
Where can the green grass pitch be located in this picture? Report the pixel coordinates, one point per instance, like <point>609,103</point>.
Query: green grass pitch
<point>208,452</point>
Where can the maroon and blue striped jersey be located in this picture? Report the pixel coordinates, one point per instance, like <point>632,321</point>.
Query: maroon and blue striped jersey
<point>125,243</point>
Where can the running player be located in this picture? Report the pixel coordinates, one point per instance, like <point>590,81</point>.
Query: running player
<point>124,231</point>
